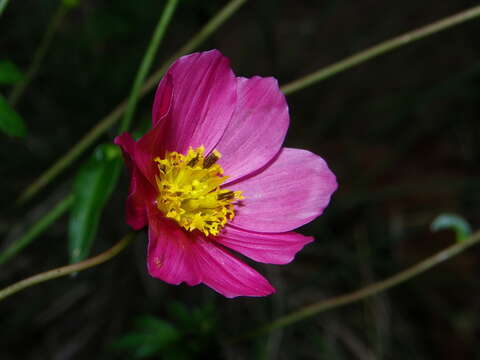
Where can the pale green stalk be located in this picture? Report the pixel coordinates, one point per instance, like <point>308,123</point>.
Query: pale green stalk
<point>381,49</point>
<point>147,63</point>
<point>113,117</point>
<point>37,229</point>
<point>66,270</point>
<point>401,277</point>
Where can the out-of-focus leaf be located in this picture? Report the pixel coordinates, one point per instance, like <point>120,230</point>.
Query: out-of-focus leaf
<point>93,185</point>
<point>9,73</point>
<point>10,122</point>
<point>151,335</point>
<point>454,222</point>
<point>180,314</point>
<point>71,3</point>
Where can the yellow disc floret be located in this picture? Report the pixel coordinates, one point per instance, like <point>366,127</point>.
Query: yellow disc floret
<point>189,191</point>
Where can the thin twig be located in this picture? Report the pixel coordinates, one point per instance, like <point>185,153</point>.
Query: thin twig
<point>65,270</point>
<point>381,49</point>
<point>321,306</point>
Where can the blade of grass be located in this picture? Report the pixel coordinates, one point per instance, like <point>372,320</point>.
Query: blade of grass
<point>104,124</point>
<point>147,63</point>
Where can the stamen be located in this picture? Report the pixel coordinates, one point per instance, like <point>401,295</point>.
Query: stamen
<point>189,191</point>
<point>211,159</point>
<point>194,161</point>
<point>227,195</point>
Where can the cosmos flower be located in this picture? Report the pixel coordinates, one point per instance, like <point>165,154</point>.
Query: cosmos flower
<point>211,175</point>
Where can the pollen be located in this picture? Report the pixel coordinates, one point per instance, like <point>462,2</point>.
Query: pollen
<point>189,191</point>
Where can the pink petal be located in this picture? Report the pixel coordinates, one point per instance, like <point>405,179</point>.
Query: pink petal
<point>176,256</point>
<point>163,99</point>
<point>291,191</point>
<point>277,248</point>
<point>204,100</point>
<point>226,274</point>
<point>148,147</point>
<point>141,191</point>
<point>257,129</point>
<point>127,144</point>
<point>171,251</point>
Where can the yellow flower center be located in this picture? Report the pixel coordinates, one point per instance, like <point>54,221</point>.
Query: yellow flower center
<point>189,191</point>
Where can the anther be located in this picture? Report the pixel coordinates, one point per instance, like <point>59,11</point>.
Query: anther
<point>194,161</point>
<point>211,159</point>
<point>226,195</point>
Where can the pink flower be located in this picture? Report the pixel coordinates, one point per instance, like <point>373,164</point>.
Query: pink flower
<point>211,174</point>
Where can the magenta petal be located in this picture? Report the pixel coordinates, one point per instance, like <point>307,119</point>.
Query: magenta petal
<point>270,248</point>
<point>163,99</point>
<point>127,144</point>
<point>148,147</point>
<point>171,252</point>
<point>226,274</point>
<point>293,190</point>
<point>204,100</point>
<point>257,129</point>
<point>141,191</point>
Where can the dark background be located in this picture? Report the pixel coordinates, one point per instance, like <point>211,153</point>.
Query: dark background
<point>399,131</point>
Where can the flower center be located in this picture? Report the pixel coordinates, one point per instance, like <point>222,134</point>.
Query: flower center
<point>189,191</point>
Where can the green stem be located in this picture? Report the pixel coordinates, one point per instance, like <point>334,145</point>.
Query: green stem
<point>3,5</point>
<point>217,21</point>
<point>113,117</point>
<point>20,87</point>
<point>147,63</point>
<point>365,292</point>
<point>65,270</point>
<point>381,49</point>
<point>37,229</point>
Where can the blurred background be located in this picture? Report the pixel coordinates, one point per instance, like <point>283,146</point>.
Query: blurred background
<point>400,132</point>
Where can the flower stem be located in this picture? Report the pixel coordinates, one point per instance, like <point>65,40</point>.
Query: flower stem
<point>40,53</point>
<point>381,49</point>
<point>37,229</point>
<point>104,124</point>
<point>65,270</point>
<point>147,62</point>
<point>321,306</point>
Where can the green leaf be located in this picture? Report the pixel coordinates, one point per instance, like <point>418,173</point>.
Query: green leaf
<point>180,314</point>
<point>10,122</point>
<point>92,187</point>
<point>71,3</point>
<point>454,222</point>
<point>9,73</point>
